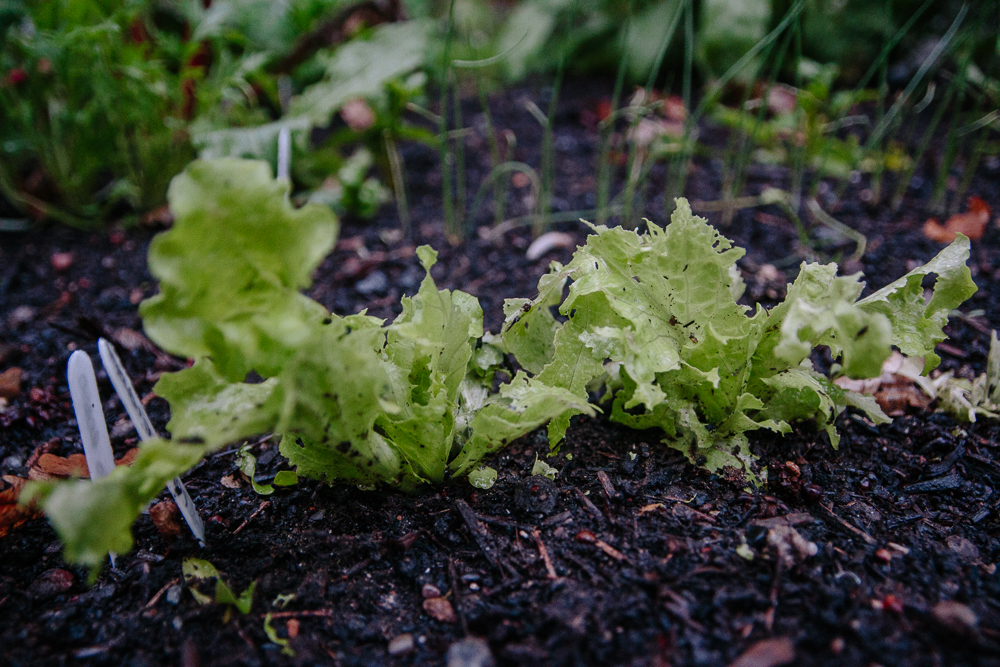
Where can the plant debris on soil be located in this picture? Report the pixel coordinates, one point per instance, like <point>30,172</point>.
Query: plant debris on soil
<point>881,552</point>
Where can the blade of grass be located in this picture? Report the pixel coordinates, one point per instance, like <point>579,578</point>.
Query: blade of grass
<point>459,148</point>
<point>712,94</point>
<point>939,49</point>
<point>607,125</point>
<point>445,151</point>
<point>633,178</point>
<point>499,192</point>
<point>398,182</point>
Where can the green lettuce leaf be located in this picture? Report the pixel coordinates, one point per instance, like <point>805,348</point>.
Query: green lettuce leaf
<point>654,318</point>
<point>231,267</point>
<point>917,324</point>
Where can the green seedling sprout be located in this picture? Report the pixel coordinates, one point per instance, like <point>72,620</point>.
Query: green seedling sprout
<point>90,418</point>
<point>144,427</point>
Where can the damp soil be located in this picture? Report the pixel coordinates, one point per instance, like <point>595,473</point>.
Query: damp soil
<point>631,556</point>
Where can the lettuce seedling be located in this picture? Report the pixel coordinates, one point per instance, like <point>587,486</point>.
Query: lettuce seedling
<point>654,320</point>
<point>353,399</point>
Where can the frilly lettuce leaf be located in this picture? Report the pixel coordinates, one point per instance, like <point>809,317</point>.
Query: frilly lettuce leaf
<point>232,265</point>
<point>655,318</point>
<point>917,324</point>
<point>353,399</point>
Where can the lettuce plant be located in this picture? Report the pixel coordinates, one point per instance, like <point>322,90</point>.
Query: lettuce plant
<point>354,400</point>
<point>654,320</point>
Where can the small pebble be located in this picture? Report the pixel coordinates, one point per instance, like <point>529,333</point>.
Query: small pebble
<point>963,548</point>
<point>430,591</point>
<point>174,594</point>
<point>401,644</point>
<point>50,584</point>
<point>469,652</point>
<point>374,283</point>
<point>441,609</point>
<point>955,616</point>
<point>61,261</point>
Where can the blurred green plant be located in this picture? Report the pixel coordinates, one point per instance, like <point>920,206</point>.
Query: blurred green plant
<point>102,103</point>
<point>90,120</point>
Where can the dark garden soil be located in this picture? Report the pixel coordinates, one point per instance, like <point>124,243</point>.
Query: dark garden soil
<point>631,556</point>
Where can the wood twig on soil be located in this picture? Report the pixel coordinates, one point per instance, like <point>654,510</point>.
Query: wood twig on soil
<point>457,590</point>
<point>549,568</point>
<point>589,506</point>
<point>156,598</point>
<point>264,505</point>
<point>832,518</point>
<point>482,538</point>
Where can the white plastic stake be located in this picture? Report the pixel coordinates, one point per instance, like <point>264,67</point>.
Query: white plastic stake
<point>144,427</point>
<point>90,417</point>
<point>284,153</point>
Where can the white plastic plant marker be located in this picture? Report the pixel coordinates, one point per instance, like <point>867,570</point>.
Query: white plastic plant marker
<point>144,427</point>
<point>284,153</point>
<point>90,417</point>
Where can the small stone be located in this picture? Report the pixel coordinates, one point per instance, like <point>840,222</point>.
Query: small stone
<point>884,555</point>
<point>411,277</point>
<point>21,315</point>
<point>469,652</point>
<point>430,591</point>
<point>174,594</point>
<point>50,584</point>
<point>374,283</point>
<point>61,261</point>
<point>790,545</point>
<point>401,644</point>
<point>440,609</point>
<point>10,383</point>
<point>963,548</point>
<point>955,616</point>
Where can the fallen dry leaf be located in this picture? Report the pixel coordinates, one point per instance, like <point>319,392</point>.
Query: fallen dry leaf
<point>230,482</point>
<point>51,466</point>
<point>12,514</point>
<point>440,608</point>
<point>10,383</point>
<point>972,223</point>
<point>47,466</point>
<point>898,388</point>
<point>166,517</point>
<point>650,508</point>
